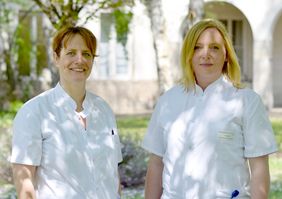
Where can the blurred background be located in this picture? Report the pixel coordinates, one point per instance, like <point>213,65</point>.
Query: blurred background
<point>139,43</point>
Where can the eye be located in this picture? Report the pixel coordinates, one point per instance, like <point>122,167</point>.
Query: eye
<point>87,54</point>
<point>197,47</point>
<point>71,53</point>
<point>214,47</point>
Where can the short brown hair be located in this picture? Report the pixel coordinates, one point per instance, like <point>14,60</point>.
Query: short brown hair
<point>63,35</point>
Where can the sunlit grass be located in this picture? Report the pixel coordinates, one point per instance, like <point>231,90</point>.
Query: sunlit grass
<point>277,128</point>
<point>132,128</point>
<point>275,166</point>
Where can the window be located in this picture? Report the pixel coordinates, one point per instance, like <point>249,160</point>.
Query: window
<point>235,29</point>
<point>112,60</point>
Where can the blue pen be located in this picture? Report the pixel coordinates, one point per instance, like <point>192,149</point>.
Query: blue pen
<point>234,194</point>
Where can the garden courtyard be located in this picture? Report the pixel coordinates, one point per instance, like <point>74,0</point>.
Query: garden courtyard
<point>133,168</point>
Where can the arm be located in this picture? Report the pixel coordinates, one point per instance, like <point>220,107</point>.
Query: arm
<point>119,185</point>
<point>24,180</point>
<point>260,177</point>
<point>153,183</point>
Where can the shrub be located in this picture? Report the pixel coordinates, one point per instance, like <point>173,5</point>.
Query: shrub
<point>5,151</point>
<point>5,140</point>
<point>133,168</point>
<point>134,165</point>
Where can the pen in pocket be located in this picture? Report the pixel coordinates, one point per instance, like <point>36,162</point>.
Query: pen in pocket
<point>234,194</point>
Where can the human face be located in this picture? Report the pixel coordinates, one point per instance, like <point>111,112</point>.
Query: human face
<point>74,61</point>
<point>209,57</point>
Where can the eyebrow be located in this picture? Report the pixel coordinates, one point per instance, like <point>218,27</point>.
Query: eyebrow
<point>73,49</point>
<point>213,43</point>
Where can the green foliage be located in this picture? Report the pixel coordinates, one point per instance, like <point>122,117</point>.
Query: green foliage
<point>122,21</point>
<point>9,192</point>
<point>277,128</point>
<point>24,47</point>
<point>134,196</point>
<point>15,46</point>
<point>41,52</point>
<point>62,13</point>
<point>132,127</point>
<point>275,166</point>
<point>7,115</point>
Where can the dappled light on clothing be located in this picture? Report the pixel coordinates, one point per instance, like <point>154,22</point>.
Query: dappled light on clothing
<point>75,162</point>
<point>202,140</point>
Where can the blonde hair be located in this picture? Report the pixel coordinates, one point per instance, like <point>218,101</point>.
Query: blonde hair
<point>231,68</point>
<point>62,37</point>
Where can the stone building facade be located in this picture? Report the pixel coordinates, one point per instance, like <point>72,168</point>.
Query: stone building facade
<point>126,76</point>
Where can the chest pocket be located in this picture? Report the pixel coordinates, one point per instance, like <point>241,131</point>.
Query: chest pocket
<point>230,142</point>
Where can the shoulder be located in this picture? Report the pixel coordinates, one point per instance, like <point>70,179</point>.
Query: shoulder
<point>172,101</point>
<point>175,93</point>
<point>249,95</point>
<point>36,101</point>
<point>99,102</point>
<point>251,101</point>
<point>31,108</point>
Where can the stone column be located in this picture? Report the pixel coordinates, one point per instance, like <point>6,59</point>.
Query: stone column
<point>262,70</point>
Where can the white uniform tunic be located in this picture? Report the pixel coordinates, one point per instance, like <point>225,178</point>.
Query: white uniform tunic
<point>73,162</point>
<point>205,138</point>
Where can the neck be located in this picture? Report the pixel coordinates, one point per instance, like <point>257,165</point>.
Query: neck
<point>204,82</point>
<point>77,93</point>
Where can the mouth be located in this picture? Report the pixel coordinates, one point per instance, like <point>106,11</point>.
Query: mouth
<point>78,69</point>
<point>206,64</point>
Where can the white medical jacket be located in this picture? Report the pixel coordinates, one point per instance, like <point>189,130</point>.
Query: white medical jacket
<point>72,162</point>
<point>205,138</point>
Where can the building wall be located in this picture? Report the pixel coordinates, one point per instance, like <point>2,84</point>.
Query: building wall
<point>262,28</point>
<point>134,97</point>
<point>134,91</point>
<point>261,57</point>
<point>277,61</point>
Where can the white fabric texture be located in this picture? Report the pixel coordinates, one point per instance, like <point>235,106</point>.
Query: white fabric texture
<point>205,138</point>
<point>73,162</point>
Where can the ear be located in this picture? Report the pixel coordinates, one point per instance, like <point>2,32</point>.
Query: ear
<point>55,58</point>
<point>226,57</point>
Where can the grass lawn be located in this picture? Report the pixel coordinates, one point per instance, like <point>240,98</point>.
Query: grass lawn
<point>275,164</point>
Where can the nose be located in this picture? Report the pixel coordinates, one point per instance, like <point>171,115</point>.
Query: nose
<point>205,52</point>
<point>79,57</point>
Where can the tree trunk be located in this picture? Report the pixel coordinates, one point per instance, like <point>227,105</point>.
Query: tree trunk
<point>195,14</point>
<point>158,26</point>
<point>10,73</point>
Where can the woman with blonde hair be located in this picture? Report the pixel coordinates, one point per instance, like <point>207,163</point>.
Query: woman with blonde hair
<point>209,137</point>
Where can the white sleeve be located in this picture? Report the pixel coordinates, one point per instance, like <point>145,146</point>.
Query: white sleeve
<point>117,145</point>
<point>154,141</point>
<point>27,140</point>
<point>258,134</point>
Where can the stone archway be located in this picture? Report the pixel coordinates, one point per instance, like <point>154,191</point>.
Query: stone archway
<point>240,31</point>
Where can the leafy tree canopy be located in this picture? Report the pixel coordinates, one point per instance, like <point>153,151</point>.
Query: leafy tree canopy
<point>66,12</point>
